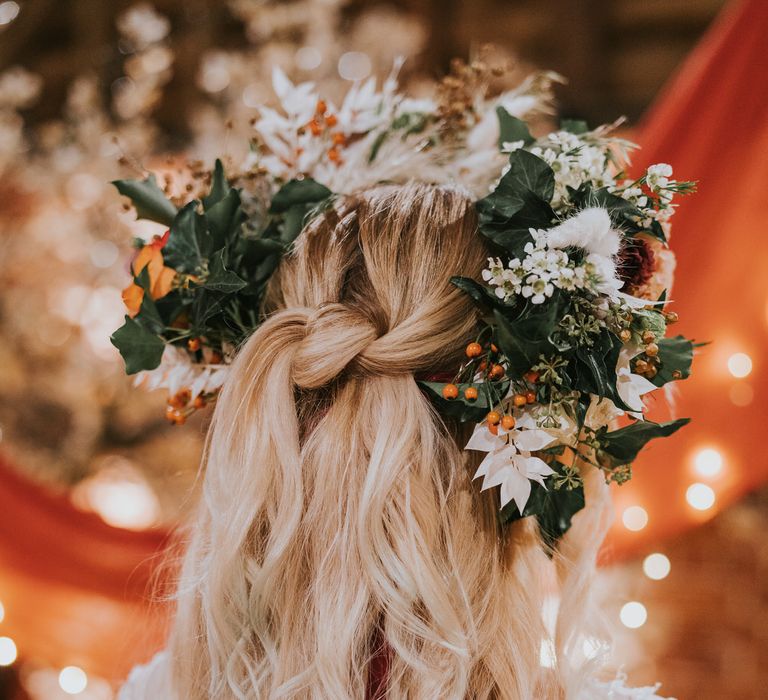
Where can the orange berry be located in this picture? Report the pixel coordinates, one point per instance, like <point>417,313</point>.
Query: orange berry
<point>497,372</point>
<point>331,120</point>
<point>493,417</point>
<point>519,400</point>
<point>193,344</point>
<point>530,396</point>
<point>483,366</point>
<point>652,350</point>
<point>508,422</point>
<point>321,107</point>
<point>494,348</point>
<point>625,335</point>
<point>333,155</point>
<point>216,358</point>
<point>339,139</point>
<point>180,399</point>
<point>179,419</point>
<point>470,393</point>
<point>474,350</point>
<point>450,391</point>
<point>531,376</point>
<point>649,336</point>
<point>199,402</point>
<point>315,128</point>
<point>494,429</point>
<point>170,414</point>
<point>671,316</point>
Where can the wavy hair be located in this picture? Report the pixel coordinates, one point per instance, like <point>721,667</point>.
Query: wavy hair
<point>338,523</point>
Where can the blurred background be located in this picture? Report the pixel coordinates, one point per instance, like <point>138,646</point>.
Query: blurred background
<point>92,477</point>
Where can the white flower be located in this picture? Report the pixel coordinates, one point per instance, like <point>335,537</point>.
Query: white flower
<point>509,463</point>
<point>177,371</point>
<point>601,412</point>
<point>657,176</point>
<point>590,230</point>
<point>631,387</point>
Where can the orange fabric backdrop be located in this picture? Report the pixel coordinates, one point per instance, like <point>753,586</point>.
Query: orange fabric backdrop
<point>76,591</point>
<point>711,124</point>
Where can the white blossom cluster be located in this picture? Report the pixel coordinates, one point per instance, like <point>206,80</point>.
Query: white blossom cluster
<point>548,266</point>
<point>574,159</point>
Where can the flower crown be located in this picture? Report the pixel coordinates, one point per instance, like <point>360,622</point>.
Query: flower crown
<point>573,303</point>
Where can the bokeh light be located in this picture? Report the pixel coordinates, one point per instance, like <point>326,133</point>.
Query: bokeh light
<point>740,364</point>
<point>633,614</point>
<point>708,462</point>
<point>700,496</point>
<point>635,518</point>
<point>656,566</point>
<point>8,651</point>
<point>73,680</point>
<point>354,65</point>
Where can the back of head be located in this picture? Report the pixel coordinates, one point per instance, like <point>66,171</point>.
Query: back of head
<point>339,527</point>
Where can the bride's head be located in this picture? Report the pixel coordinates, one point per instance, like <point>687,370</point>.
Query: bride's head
<point>339,521</point>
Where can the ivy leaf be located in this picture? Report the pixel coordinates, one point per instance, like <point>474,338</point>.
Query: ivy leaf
<point>460,408</point>
<point>623,445</point>
<point>553,508</point>
<point>220,279</point>
<point>219,186</point>
<point>140,348</point>
<point>224,219</point>
<point>183,251</point>
<point>148,315</point>
<point>148,199</point>
<point>595,368</point>
<point>522,341</point>
<point>479,292</point>
<point>519,202</point>
<point>676,354</point>
<point>305,191</point>
<point>512,129</point>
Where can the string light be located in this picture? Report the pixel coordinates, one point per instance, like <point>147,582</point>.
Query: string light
<point>700,496</point>
<point>308,58</point>
<point>656,566</point>
<point>635,518</point>
<point>708,462</point>
<point>8,651</point>
<point>73,680</point>
<point>633,615</point>
<point>740,364</point>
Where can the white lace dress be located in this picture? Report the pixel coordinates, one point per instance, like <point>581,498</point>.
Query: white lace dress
<point>151,682</point>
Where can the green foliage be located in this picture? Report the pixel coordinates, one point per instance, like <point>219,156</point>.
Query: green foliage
<point>574,126</point>
<point>623,445</point>
<point>525,339</point>
<point>139,347</point>
<point>148,199</point>
<point>553,508</point>
<point>512,129</point>
<point>675,355</point>
<point>521,201</point>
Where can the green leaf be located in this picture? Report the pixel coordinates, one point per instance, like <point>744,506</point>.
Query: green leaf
<point>622,446</point>
<point>574,126</point>
<point>219,186</point>
<point>220,279</point>
<point>305,191</point>
<point>460,408</point>
<point>522,341</point>
<point>148,316</point>
<point>554,509</point>
<point>183,251</point>
<point>595,368</point>
<point>148,199</point>
<point>224,219</point>
<point>140,348</point>
<point>512,129</point>
<point>675,354</point>
<point>479,293</point>
<point>527,173</point>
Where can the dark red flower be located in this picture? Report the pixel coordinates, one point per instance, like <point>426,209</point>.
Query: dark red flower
<point>636,264</point>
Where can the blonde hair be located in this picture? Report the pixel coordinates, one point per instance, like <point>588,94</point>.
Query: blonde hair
<point>338,519</point>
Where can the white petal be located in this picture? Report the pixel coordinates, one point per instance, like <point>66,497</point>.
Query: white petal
<point>483,440</point>
<point>532,440</point>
